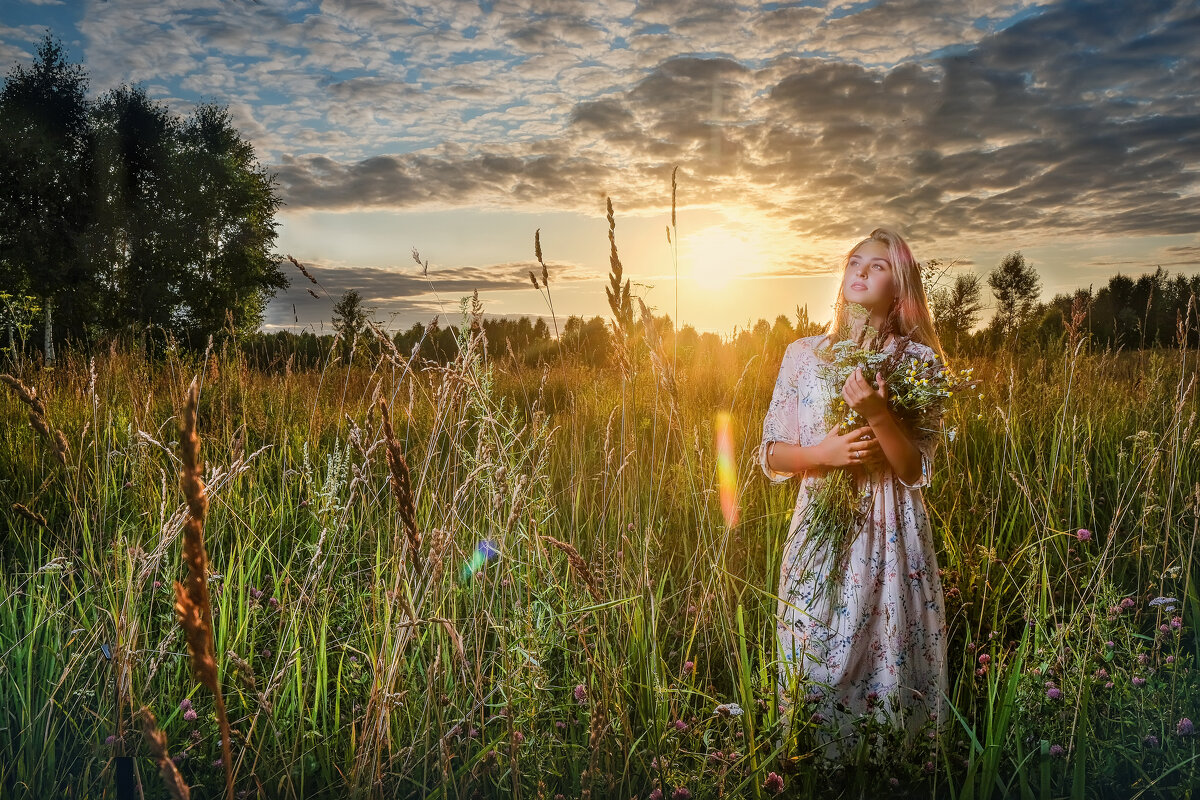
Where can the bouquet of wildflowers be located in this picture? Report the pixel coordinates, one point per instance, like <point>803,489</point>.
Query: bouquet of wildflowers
<point>917,391</point>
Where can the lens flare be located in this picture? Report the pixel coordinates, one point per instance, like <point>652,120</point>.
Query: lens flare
<point>726,473</point>
<point>484,551</point>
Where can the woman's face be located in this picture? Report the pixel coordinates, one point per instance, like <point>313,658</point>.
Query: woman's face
<point>869,280</point>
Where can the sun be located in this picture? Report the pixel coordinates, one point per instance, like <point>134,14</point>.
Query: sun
<point>713,257</point>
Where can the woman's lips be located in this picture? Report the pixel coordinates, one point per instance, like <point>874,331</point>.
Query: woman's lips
<point>857,285</point>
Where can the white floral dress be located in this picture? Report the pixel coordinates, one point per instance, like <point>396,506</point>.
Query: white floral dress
<point>881,645</point>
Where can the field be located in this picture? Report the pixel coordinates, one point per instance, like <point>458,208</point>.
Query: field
<point>361,651</point>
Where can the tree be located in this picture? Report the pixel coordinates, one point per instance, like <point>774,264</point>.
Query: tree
<point>956,308</point>
<point>1016,287</point>
<point>350,318</point>
<point>44,197</point>
<point>121,216</point>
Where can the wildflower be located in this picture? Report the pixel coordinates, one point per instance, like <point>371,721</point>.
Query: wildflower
<point>1184,727</point>
<point>657,793</point>
<point>1108,685</point>
<point>1128,603</point>
<point>681,794</point>
<point>1138,680</point>
<point>1056,750</point>
<point>266,652</point>
<point>303,504</point>
<point>773,783</point>
<point>274,604</point>
<point>1143,658</point>
<point>631,526</point>
<point>894,781</point>
<point>728,710</point>
<point>1083,535</point>
<point>1152,740</point>
<point>1165,628</point>
<point>1102,673</point>
<point>518,737</point>
<point>970,645</point>
<point>255,592</point>
<point>1110,644</point>
<point>581,694</point>
<point>157,585</point>
<point>984,658</point>
<point>185,704</point>
<point>1176,622</point>
<point>1162,601</point>
<point>111,739</point>
<point>688,666</point>
<point>1170,659</point>
<point>929,767</point>
<point>1053,693</point>
<point>817,717</point>
<point>189,715</point>
<point>680,725</point>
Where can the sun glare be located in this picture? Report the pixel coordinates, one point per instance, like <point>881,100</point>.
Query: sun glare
<point>713,257</point>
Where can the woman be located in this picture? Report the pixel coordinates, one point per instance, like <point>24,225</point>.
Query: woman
<point>879,645</point>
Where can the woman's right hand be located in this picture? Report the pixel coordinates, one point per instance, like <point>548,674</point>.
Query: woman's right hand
<point>854,448</point>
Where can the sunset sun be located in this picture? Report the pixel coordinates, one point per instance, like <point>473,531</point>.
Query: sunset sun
<point>713,257</point>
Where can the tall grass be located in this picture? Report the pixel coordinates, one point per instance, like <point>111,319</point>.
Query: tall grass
<point>589,658</point>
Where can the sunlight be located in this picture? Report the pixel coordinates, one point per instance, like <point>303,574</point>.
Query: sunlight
<point>714,256</point>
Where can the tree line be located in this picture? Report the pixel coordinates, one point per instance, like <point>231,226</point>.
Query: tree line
<point>120,217</point>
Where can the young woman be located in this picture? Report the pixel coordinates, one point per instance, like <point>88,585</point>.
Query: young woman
<point>879,646</point>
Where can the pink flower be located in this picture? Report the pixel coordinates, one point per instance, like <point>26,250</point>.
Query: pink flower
<point>1139,681</point>
<point>1143,658</point>
<point>984,658</point>
<point>580,694</point>
<point>1108,685</point>
<point>1083,535</point>
<point>185,704</point>
<point>1185,727</point>
<point>688,666</point>
<point>773,783</point>
<point>1102,673</point>
<point>518,737</point>
<point>680,725</point>
<point>1177,622</point>
<point>1053,693</point>
<point>1056,750</point>
<point>1128,603</point>
<point>189,715</point>
<point>681,794</point>
<point>657,793</point>
<point>1170,659</point>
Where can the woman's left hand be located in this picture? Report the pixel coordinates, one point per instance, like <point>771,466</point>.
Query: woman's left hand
<point>858,394</point>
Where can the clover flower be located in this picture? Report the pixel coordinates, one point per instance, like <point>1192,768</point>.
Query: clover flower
<point>580,694</point>
<point>1083,535</point>
<point>1184,727</point>
<point>1138,680</point>
<point>773,783</point>
<point>1053,693</point>
<point>1056,750</point>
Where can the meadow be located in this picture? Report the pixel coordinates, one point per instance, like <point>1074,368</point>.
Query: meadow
<point>536,594</point>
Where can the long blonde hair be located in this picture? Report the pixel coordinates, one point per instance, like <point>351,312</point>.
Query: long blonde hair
<point>910,311</point>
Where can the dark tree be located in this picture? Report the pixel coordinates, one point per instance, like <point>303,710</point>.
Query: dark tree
<point>44,199</point>
<point>350,318</point>
<point>956,309</point>
<point>1016,286</point>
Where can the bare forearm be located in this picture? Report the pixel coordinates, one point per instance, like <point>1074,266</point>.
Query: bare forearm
<point>795,458</point>
<point>897,448</point>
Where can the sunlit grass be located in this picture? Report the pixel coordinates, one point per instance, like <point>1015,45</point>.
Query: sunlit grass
<point>375,673</point>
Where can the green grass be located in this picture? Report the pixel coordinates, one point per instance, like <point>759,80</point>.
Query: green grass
<point>360,688</point>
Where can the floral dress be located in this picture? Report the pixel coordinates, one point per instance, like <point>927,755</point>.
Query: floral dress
<point>880,646</point>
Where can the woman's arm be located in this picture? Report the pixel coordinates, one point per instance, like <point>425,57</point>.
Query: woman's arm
<point>796,458</point>
<point>897,448</point>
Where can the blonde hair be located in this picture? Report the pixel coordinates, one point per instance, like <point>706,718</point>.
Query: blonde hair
<point>910,308</point>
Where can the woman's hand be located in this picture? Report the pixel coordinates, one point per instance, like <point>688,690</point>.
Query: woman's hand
<point>856,448</point>
<point>859,395</point>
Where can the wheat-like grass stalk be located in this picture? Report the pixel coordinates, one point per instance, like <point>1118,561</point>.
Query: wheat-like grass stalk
<point>576,561</point>
<point>30,515</point>
<point>191,596</point>
<point>157,741</point>
<point>37,417</point>
<point>401,485</point>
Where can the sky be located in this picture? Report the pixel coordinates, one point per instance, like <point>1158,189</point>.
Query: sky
<point>1069,131</point>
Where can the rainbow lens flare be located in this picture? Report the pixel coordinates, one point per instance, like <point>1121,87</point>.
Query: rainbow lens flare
<point>485,551</point>
<point>726,472</point>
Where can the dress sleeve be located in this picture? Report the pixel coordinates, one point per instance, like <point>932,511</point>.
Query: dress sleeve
<point>926,439</point>
<point>782,421</point>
